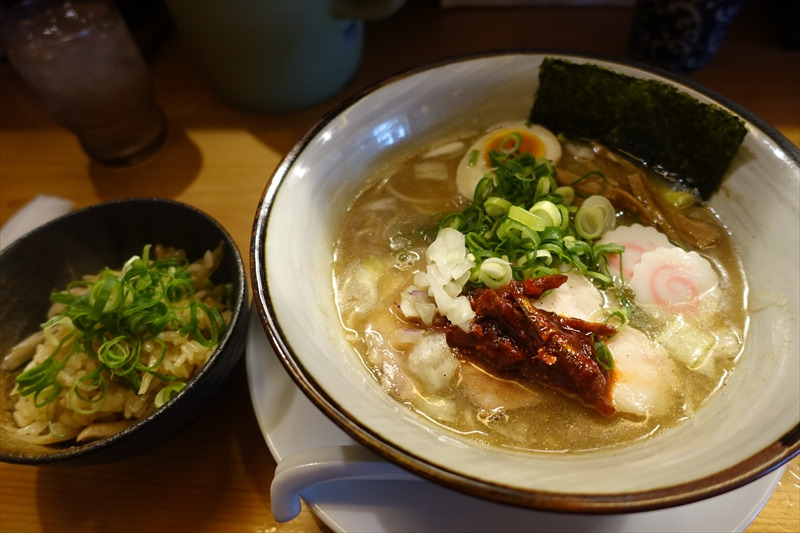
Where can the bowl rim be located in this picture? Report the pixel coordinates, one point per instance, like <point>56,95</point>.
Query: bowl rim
<point>77,453</point>
<point>759,464</point>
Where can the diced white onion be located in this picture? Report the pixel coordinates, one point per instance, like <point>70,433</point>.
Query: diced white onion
<point>448,268</point>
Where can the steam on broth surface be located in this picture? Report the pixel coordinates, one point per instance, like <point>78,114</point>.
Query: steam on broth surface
<point>669,355</point>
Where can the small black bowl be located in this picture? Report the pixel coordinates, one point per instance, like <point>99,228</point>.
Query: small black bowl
<point>84,242</point>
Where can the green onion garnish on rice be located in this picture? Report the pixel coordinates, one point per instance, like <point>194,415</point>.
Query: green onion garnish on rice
<point>111,319</point>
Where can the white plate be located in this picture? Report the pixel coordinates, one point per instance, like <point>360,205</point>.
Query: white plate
<point>398,501</point>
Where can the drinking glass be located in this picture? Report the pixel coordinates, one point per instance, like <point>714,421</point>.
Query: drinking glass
<point>79,57</point>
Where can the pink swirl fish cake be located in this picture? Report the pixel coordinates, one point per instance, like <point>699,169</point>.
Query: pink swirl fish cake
<point>673,281</point>
<point>637,240</point>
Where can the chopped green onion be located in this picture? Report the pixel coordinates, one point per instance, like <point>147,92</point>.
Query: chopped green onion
<point>454,221</point>
<point>168,393</point>
<point>41,379</point>
<point>521,216</point>
<point>619,317</point>
<point>604,357</point>
<point>495,272</point>
<point>88,383</point>
<point>589,222</point>
<point>548,211</point>
<point>113,317</point>
<point>513,231</point>
<point>483,190</point>
<point>510,143</point>
<point>587,175</point>
<point>100,295</point>
<point>496,207</point>
<point>532,220</point>
<point>544,186</point>
<point>567,193</point>
<point>603,203</point>
<point>542,255</point>
<point>608,249</point>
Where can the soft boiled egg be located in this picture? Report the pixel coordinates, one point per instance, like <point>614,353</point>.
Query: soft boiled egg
<point>515,137</point>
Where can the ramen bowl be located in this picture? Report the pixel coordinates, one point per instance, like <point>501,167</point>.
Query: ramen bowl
<point>84,242</point>
<point>748,427</point>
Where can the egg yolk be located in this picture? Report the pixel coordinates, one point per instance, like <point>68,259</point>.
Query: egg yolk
<point>511,141</point>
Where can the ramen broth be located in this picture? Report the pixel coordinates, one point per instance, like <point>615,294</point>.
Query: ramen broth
<point>382,244</point>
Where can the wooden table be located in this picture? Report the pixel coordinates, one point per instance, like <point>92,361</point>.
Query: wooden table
<point>215,476</point>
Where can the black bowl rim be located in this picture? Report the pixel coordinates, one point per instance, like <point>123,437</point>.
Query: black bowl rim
<point>81,454</point>
<point>760,464</point>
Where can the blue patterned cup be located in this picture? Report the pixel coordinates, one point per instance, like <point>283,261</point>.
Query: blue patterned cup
<point>680,35</point>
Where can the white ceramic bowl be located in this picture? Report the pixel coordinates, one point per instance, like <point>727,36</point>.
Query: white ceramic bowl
<point>748,428</point>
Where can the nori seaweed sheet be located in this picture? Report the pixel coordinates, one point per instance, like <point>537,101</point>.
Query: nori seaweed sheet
<point>667,129</point>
